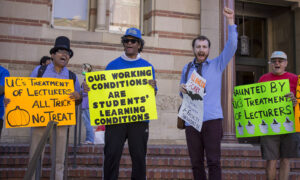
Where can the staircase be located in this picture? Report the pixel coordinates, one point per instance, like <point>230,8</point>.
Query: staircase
<point>163,162</point>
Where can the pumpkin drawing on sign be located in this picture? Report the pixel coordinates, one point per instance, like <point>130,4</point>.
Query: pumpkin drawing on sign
<point>18,117</point>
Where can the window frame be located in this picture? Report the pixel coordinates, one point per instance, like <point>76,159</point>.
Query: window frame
<point>71,27</point>
<point>141,19</point>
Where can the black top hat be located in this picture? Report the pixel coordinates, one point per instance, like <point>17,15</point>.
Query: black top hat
<point>62,42</point>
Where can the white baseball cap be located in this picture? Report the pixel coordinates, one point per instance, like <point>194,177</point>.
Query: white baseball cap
<point>279,54</point>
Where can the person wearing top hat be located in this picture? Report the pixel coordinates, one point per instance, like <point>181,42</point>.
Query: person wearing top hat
<point>284,146</point>
<point>60,54</point>
<point>136,133</point>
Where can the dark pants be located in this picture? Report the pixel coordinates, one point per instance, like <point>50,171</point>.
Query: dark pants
<point>1,126</point>
<point>115,137</point>
<point>207,141</point>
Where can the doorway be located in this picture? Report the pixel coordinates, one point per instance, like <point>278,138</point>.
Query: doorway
<point>248,74</point>
<point>251,56</point>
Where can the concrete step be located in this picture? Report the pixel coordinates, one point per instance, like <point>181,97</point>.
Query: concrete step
<point>152,161</point>
<point>157,150</point>
<point>163,162</point>
<point>13,160</point>
<point>152,173</point>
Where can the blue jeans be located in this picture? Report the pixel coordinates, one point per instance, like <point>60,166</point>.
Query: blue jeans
<point>89,129</point>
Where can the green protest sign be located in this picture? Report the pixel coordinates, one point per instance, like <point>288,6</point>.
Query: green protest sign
<point>261,109</point>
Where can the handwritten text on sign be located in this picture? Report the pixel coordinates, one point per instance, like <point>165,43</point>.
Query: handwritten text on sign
<point>35,101</point>
<point>121,96</point>
<point>261,109</point>
<point>297,108</point>
<point>191,110</point>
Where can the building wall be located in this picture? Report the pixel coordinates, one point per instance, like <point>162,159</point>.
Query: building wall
<point>169,26</point>
<point>283,37</point>
<point>297,40</point>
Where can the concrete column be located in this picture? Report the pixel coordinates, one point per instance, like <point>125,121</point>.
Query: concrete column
<point>297,39</point>
<point>101,15</point>
<point>210,24</point>
<point>214,26</point>
<point>93,13</point>
<point>228,82</point>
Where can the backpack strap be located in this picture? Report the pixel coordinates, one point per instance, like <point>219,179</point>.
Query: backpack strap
<point>72,76</point>
<point>41,71</point>
<point>187,71</point>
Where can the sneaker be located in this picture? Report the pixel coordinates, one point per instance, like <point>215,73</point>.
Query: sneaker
<point>88,142</point>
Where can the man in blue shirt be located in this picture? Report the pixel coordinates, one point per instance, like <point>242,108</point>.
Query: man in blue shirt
<point>3,73</point>
<point>136,133</point>
<point>60,54</point>
<point>208,141</point>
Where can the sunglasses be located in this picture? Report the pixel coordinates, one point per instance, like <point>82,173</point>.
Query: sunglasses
<point>275,61</point>
<point>62,51</point>
<point>133,41</point>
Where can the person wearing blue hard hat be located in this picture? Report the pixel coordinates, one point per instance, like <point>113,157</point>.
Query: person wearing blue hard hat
<point>136,133</point>
<point>132,39</point>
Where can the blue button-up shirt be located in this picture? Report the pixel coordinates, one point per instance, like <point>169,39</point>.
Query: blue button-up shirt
<point>50,72</point>
<point>212,71</point>
<point>3,73</point>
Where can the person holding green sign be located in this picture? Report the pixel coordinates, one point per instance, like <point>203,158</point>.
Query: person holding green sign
<point>283,146</point>
<point>208,141</point>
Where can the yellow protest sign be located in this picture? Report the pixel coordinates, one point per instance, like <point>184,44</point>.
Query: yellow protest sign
<point>121,96</point>
<point>297,108</point>
<point>35,101</point>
